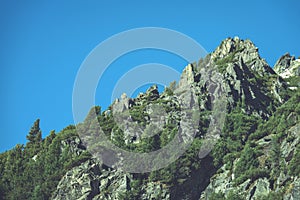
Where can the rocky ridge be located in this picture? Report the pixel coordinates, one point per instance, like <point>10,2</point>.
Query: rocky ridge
<point>249,83</point>
<point>255,152</point>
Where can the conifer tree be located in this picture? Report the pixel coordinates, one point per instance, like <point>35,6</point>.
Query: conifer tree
<point>34,138</point>
<point>48,140</point>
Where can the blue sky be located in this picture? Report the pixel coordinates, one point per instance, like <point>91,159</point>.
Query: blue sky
<point>43,44</point>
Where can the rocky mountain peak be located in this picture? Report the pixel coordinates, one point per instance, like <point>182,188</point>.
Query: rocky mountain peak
<point>153,90</point>
<point>249,79</point>
<point>152,93</point>
<point>187,76</point>
<point>287,66</point>
<point>283,62</point>
<point>241,52</point>
<point>231,45</point>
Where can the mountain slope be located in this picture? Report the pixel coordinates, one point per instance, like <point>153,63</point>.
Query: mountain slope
<point>254,153</point>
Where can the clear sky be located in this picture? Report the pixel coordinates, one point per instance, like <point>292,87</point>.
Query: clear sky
<point>43,44</point>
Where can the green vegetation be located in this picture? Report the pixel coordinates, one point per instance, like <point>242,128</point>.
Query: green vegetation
<point>237,128</point>
<point>230,58</point>
<point>44,161</point>
<point>223,63</point>
<point>294,168</point>
<point>293,81</point>
<point>272,196</point>
<point>33,171</point>
<point>217,196</point>
<point>285,116</point>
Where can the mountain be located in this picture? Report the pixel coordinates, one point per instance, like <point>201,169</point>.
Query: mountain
<point>289,68</point>
<point>231,125</point>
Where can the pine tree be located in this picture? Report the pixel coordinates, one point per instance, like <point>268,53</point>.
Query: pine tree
<point>14,174</point>
<point>48,140</point>
<point>35,134</point>
<point>34,138</point>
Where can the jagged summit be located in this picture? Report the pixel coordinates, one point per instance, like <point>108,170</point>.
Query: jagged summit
<point>283,62</point>
<point>241,52</point>
<point>287,66</point>
<point>230,45</point>
<point>247,77</point>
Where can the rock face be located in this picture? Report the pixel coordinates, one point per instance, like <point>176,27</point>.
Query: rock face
<point>91,180</point>
<point>81,182</point>
<point>244,51</point>
<point>287,66</point>
<point>74,145</point>
<point>113,184</point>
<point>249,78</point>
<point>283,63</point>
